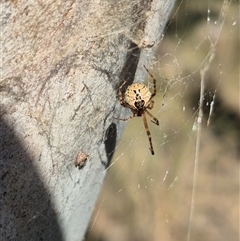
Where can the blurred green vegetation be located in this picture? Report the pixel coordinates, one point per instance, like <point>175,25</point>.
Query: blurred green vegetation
<point>149,197</point>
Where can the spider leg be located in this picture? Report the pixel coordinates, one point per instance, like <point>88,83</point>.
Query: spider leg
<point>120,95</point>
<point>148,133</point>
<point>150,106</point>
<point>124,119</point>
<point>154,82</point>
<point>155,120</point>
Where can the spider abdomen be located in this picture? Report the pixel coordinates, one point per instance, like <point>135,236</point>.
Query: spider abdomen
<point>137,96</point>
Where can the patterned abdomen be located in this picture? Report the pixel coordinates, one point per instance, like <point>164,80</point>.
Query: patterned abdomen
<point>137,96</point>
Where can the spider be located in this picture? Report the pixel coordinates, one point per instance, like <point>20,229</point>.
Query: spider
<point>138,98</point>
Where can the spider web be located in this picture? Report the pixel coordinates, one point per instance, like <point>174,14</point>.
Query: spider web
<point>188,190</point>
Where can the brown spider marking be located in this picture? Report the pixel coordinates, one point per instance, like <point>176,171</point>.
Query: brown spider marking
<point>138,99</point>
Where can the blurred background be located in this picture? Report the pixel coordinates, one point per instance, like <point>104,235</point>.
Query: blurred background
<point>147,197</point>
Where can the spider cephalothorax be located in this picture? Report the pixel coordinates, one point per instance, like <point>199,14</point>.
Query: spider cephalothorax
<point>138,98</point>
